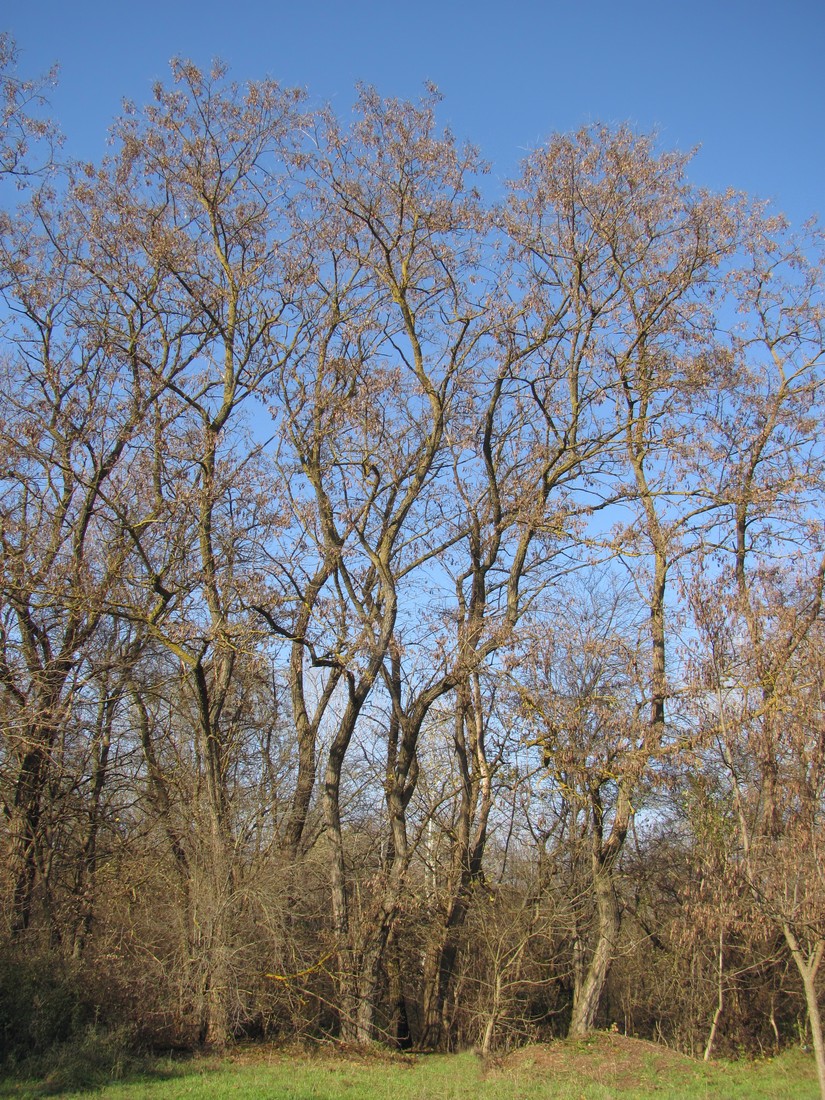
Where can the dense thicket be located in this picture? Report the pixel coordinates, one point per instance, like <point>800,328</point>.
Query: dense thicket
<point>410,605</point>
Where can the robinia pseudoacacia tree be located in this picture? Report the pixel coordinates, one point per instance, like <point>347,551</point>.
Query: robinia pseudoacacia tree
<point>301,443</point>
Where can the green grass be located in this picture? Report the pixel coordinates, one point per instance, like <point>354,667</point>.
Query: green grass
<point>599,1069</point>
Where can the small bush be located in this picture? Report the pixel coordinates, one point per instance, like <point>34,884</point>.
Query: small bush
<point>43,1003</point>
<point>90,1060</point>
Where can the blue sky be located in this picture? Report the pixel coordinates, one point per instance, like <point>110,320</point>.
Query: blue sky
<point>745,80</point>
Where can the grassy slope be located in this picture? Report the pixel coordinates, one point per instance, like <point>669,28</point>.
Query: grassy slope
<point>601,1068</point>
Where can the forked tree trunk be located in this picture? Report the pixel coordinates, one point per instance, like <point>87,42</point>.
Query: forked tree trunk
<point>605,854</point>
<point>808,968</point>
<point>588,997</point>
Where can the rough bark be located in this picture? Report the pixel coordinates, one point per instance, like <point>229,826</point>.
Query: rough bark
<point>604,855</point>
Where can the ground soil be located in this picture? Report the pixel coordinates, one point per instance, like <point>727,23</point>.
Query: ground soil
<point>604,1057</point>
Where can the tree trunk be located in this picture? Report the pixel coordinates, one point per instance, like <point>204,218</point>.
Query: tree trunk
<point>439,965</point>
<point>808,968</point>
<point>720,1003</point>
<point>468,855</point>
<point>586,1005</point>
<point>215,1027</point>
<point>25,826</point>
<point>398,1002</point>
<point>492,1019</point>
<point>212,947</point>
<point>86,874</point>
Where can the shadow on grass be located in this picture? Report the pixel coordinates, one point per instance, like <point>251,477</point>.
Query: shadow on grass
<point>88,1066</point>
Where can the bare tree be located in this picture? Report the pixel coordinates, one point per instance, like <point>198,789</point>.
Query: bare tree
<point>760,609</point>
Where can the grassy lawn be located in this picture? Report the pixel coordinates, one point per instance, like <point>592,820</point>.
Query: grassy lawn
<point>600,1068</point>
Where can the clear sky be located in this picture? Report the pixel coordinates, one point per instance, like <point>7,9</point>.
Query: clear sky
<point>745,79</point>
